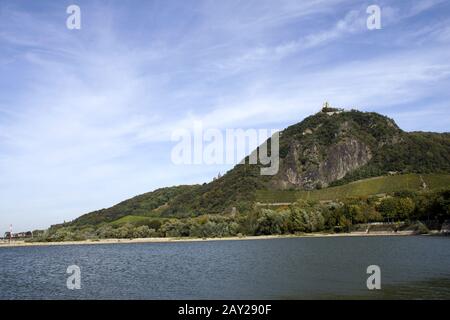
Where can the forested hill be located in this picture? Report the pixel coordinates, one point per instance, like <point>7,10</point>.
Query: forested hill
<point>332,147</point>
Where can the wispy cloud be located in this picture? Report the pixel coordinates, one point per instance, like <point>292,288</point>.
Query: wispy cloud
<point>86,116</point>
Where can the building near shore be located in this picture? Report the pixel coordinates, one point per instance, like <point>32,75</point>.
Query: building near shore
<point>19,235</point>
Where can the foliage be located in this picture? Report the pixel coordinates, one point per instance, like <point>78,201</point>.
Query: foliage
<point>142,205</point>
<point>300,217</point>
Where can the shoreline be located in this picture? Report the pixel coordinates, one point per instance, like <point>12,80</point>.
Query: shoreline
<point>22,243</point>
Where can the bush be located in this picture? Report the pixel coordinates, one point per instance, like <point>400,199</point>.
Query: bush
<point>142,232</point>
<point>272,222</point>
<point>305,217</point>
<point>420,228</point>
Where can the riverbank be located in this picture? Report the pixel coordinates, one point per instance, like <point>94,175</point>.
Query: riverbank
<point>21,243</point>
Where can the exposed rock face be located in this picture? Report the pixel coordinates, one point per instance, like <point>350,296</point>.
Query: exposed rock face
<point>344,157</point>
<point>306,168</point>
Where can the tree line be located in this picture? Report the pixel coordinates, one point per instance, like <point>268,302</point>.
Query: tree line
<point>300,217</point>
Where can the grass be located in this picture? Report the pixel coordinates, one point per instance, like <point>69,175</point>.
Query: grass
<point>134,220</point>
<point>372,186</point>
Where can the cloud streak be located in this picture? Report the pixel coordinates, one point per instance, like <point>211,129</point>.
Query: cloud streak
<point>86,117</point>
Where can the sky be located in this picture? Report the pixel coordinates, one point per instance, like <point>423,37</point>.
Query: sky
<point>86,116</point>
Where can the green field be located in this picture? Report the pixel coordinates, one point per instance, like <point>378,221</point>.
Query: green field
<point>134,220</point>
<point>372,186</point>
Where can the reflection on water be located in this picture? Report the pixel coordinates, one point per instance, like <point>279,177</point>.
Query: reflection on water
<point>293,268</point>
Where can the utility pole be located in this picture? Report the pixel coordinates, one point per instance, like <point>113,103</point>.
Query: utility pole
<point>10,232</point>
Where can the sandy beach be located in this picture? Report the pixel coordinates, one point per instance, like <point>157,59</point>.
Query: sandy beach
<point>22,243</point>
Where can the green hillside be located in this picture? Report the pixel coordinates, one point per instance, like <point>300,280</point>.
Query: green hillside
<point>371,186</point>
<point>147,204</point>
<point>323,151</point>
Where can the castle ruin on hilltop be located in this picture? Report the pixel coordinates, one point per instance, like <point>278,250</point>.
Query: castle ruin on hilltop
<point>327,109</point>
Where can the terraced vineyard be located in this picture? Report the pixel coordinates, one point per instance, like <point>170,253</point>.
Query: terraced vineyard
<point>372,186</point>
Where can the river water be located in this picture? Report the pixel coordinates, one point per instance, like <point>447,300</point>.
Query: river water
<point>291,268</point>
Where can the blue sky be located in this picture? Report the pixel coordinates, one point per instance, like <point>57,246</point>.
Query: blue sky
<point>86,115</point>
